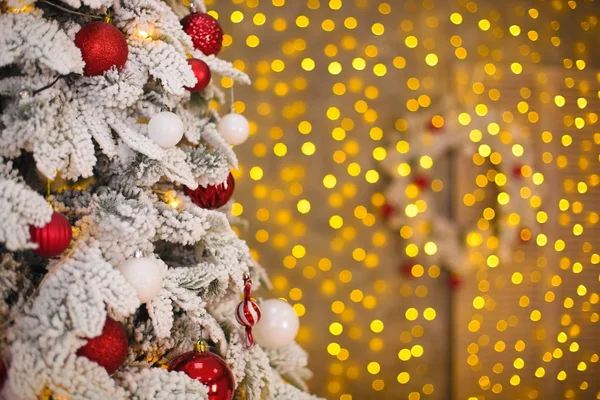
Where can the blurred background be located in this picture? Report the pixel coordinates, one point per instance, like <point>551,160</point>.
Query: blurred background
<point>336,85</point>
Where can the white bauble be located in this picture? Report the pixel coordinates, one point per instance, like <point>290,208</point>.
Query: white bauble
<point>145,274</point>
<point>278,325</point>
<point>234,128</point>
<point>166,129</point>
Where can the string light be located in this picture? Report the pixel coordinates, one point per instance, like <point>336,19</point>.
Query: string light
<point>335,215</point>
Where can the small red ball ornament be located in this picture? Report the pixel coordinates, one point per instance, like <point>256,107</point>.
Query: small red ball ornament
<point>456,281</point>
<point>421,181</point>
<point>3,375</point>
<point>202,74</point>
<point>406,270</point>
<point>53,238</point>
<point>212,197</point>
<point>207,368</point>
<point>205,31</point>
<point>517,171</point>
<point>109,350</point>
<point>388,210</point>
<point>102,45</point>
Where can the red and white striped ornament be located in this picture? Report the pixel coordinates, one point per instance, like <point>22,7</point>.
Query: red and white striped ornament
<point>247,312</point>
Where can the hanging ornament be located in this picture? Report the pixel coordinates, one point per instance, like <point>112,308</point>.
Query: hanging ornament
<point>247,312</point>
<point>517,171</point>
<point>421,181</point>
<point>456,281</point>
<point>53,238</point>
<point>278,325</point>
<point>102,46</point>
<point>432,128</point>
<point>201,72</point>
<point>234,128</point>
<point>387,210</point>
<point>205,31</point>
<point>144,274</point>
<point>166,129</point>
<point>109,350</point>
<point>406,270</point>
<point>212,197</point>
<point>3,375</point>
<point>207,368</point>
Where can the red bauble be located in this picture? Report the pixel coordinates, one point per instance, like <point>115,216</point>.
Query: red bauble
<point>434,129</point>
<point>456,281</point>
<point>421,181</point>
<point>517,171</point>
<point>109,350</point>
<point>205,31</point>
<point>202,74</point>
<point>212,197</point>
<point>102,45</point>
<point>3,375</point>
<point>53,238</point>
<point>387,210</point>
<point>406,270</point>
<point>209,369</point>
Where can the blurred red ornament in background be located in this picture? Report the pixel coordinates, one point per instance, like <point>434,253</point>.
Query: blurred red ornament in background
<point>387,210</point>
<point>421,181</point>
<point>406,269</point>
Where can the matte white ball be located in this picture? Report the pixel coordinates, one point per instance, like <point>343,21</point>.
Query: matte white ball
<point>278,325</point>
<point>145,275</point>
<point>166,129</point>
<point>234,128</point>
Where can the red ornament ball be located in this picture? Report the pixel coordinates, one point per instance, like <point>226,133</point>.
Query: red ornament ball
<point>212,197</point>
<point>517,171</point>
<point>202,74</point>
<point>388,210</point>
<point>406,270</point>
<point>209,369</point>
<point>109,350</point>
<point>102,45</point>
<point>456,281</point>
<point>205,31</point>
<point>3,375</point>
<point>53,238</point>
<point>421,181</point>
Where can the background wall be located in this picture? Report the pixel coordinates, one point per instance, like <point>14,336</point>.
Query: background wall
<point>333,80</point>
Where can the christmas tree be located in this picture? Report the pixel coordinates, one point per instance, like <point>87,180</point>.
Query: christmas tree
<point>121,276</point>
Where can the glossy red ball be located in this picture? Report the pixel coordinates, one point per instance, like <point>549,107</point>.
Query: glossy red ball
<point>209,369</point>
<point>54,237</point>
<point>212,197</point>
<point>102,45</point>
<point>201,72</point>
<point>205,31</point>
<point>109,350</point>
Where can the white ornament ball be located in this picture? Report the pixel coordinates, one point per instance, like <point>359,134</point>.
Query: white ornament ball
<point>166,129</point>
<point>278,325</point>
<point>145,274</point>
<point>234,128</point>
